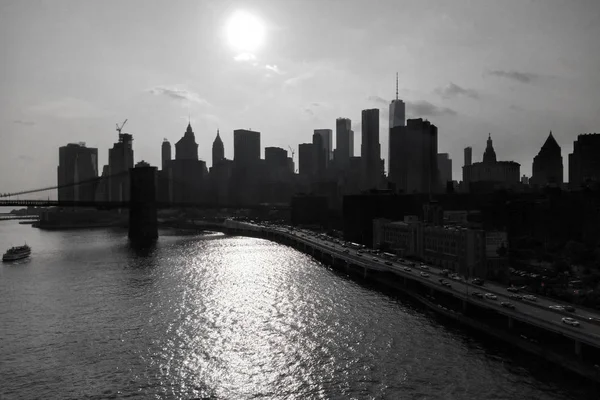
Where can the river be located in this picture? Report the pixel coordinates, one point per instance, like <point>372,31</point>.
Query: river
<point>213,316</point>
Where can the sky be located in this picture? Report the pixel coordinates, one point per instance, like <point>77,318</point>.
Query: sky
<point>72,69</point>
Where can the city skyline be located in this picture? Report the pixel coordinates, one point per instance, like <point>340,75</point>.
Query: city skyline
<point>294,83</point>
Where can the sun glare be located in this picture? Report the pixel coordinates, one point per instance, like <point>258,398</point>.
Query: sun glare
<point>245,31</point>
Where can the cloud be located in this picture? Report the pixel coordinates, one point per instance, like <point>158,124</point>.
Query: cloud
<point>21,122</point>
<point>299,78</point>
<point>522,77</point>
<point>274,68</point>
<point>177,93</point>
<point>425,109</point>
<point>377,99</point>
<point>68,108</point>
<point>416,109</point>
<point>245,57</point>
<point>453,90</point>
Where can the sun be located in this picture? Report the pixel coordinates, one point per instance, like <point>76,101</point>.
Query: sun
<point>245,31</point>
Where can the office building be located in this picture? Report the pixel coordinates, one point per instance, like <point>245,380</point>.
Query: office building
<point>77,163</point>
<point>327,143</point>
<point>397,110</point>
<point>276,157</point>
<point>584,162</point>
<point>218,150</point>
<point>187,148</point>
<point>320,154</point>
<point>246,147</point>
<point>371,150</point>
<point>468,156</point>
<point>490,174</point>
<point>445,168</point>
<point>415,168</point>
<point>120,161</point>
<point>344,147</point>
<point>548,164</point>
<point>165,153</point>
<point>307,159</point>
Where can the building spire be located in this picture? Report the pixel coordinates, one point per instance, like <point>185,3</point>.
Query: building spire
<point>396,86</point>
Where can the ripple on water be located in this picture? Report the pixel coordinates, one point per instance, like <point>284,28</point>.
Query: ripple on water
<point>229,317</point>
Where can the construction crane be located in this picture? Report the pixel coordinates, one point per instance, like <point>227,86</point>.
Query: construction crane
<point>121,127</point>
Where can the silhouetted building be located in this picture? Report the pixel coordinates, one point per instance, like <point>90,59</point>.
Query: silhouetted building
<point>307,159</point>
<point>183,179</point>
<point>525,180</point>
<point>490,174</point>
<point>165,153</point>
<point>187,148</point>
<point>320,155</point>
<point>276,157</point>
<point>77,163</point>
<point>220,176</point>
<point>548,165</point>
<point>397,111</point>
<point>309,210</point>
<point>120,161</point>
<point>371,150</point>
<point>218,150</point>
<point>445,168</point>
<point>415,169</point>
<point>291,166</point>
<point>246,147</point>
<point>327,143</point>
<point>584,162</point>
<point>344,147</point>
<point>468,156</point>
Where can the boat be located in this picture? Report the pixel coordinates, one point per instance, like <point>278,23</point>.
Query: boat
<point>17,253</point>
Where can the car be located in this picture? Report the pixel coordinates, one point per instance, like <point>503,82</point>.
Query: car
<point>346,251</point>
<point>424,274</point>
<point>512,289</point>
<point>447,284</point>
<point>556,308</point>
<point>529,298</point>
<point>375,259</point>
<point>477,281</point>
<point>358,254</point>
<point>516,297</point>
<point>425,267</point>
<point>477,294</point>
<point>388,263</point>
<point>491,296</point>
<point>507,305</point>
<point>569,308</point>
<point>593,320</point>
<point>407,269</point>
<point>570,321</point>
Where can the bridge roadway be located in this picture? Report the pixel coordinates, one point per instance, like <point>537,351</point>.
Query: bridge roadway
<point>127,204</point>
<point>534,313</point>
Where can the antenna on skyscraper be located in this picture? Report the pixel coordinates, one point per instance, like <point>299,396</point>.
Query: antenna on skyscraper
<point>396,86</point>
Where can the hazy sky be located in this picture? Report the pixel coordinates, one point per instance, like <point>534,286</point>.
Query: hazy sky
<point>70,70</point>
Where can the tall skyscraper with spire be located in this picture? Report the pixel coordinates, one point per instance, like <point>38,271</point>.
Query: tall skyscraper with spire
<point>187,148</point>
<point>397,138</point>
<point>218,150</point>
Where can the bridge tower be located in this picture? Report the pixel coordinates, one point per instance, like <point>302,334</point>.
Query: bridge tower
<point>143,226</point>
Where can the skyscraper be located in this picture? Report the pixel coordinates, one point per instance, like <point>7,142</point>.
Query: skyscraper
<point>218,150</point>
<point>416,169</point>
<point>548,164</point>
<point>187,148</point>
<point>320,154</point>
<point>584,162</point>
<point>327,143</point>
<point>120,160</point>
<point>165,153</point>
<point>396,132</point>
<point>246,147</point>
<point>468,156</point>
<point>445,168</point>
<point>307,163</point>
<point>344,147</point>
<point>77,163</point>
<point>371,149</point>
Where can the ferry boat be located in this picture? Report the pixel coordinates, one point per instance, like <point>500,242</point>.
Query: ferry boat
<point>17,253</point>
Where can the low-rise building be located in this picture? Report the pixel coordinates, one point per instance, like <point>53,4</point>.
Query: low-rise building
<point>458,249</point>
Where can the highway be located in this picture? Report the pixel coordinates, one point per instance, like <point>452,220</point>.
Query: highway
<point>537,313</point>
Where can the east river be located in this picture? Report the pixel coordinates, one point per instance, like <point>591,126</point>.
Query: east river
<point>219,317</point>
